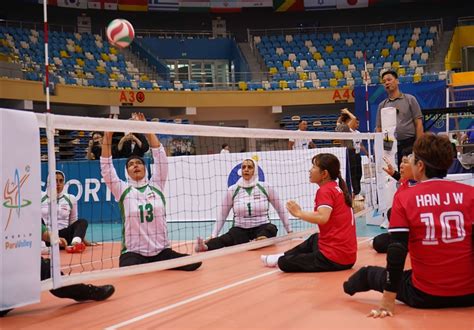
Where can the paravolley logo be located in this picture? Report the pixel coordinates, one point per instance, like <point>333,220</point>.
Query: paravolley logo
<point>12,197</point>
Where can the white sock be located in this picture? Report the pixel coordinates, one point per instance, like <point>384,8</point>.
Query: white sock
<point>76,240</point>
<point>271,260</point>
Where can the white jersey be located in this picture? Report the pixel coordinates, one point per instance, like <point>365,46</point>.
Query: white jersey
<point>300,144</point>
<point>66,210</point>
<point>250,206</point>
<point>142,208</point>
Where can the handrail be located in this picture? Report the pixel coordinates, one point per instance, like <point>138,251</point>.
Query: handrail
<point>38,25</point>
<point>347,28</point>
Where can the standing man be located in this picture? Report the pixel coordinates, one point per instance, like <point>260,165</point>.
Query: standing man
<point>301,144</point>
<point>409,118</point>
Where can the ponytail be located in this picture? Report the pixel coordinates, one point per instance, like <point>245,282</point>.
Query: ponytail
<point>345,190</point>
<point>330,163</point>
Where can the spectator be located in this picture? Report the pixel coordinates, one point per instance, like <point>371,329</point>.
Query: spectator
<point>94,148</point>
<point>409,118</point>
<point>225,149</point>
<point>301,144</point>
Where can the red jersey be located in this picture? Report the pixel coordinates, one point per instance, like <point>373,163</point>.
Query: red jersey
<point>438,214</point>
<point>337,238</point>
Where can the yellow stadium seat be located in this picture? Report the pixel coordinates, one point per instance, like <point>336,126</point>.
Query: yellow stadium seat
<point>64,54</point>
<point>391,39</point>
<point>338,75</point>
<point>286,64</point>
<point>100,69</point>
<point>283,84</point>
<point>412,43</point>
<point>242,85</point>
<point>113,50</point>
<point>80,61</point>
<point>273,70</point>
<point>401,71</point>
<point>317,56</point>
<point>78,49</point>
<point>105,57</point>
<point>329,49</point>
<point>346,61</point>
<point>385,52</point>
<point>333,82</point>
<point>303,76</point>
<point>395,64</point>
<point>416,77</point>
<point>113,76</point>
<point>144,77</point>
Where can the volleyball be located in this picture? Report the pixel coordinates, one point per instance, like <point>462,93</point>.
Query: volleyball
<point>120,33</point>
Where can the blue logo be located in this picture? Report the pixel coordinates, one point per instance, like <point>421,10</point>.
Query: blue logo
<point>236,174</point>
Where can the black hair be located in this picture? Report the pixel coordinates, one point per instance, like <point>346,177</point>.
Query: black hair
<point>393,73</point>
<point>134,157</point>
<point>224,145</point>
<point>344,117</point>
<point>330,163</point>
<point>435,152</point>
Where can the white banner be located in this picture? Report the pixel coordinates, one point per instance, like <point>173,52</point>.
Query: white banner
<point>210,176</point>
<point>20,220</point>
<point>319,4</point>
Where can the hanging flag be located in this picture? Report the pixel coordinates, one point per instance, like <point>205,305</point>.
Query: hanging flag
<point>103,4</point>
<point>133,5</point>
<point>257,4</point>
<point>194,5</point>
<point>163,5</point>
<point>50,2</point>
<point>348,4</point>
<point>226,6</point>
<point>78,4</point>
<point>288,5</point>
<point>319,4</point>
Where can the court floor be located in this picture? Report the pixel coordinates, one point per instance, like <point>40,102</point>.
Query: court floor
<point>232,292</point>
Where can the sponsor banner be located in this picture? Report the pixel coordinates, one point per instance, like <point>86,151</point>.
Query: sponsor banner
<point>196,185</point>
<point>20,225</point>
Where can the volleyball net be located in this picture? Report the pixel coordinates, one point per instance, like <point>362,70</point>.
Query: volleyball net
<point>198,177</point>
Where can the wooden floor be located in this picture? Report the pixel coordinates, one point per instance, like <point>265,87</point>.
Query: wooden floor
<point>233,292</point>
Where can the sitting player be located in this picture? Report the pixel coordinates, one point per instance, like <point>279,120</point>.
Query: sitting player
<point>434,221</point>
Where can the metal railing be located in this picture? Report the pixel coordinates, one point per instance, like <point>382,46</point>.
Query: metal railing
<point>467,20</point>
<point>345,28</point>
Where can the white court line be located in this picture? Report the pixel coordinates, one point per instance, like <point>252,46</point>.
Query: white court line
<point>189,300</point>
<point>203,295</point>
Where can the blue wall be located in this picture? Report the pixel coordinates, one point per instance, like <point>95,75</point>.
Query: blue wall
<point>430,95</point>
<point>193,49</point>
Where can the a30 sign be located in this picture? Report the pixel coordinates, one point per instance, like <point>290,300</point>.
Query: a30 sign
<point>132,97</point>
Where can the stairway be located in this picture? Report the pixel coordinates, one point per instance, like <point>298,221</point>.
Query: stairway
<point>141,65</point>
<point>256,69</point>
<point>437,62</point>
